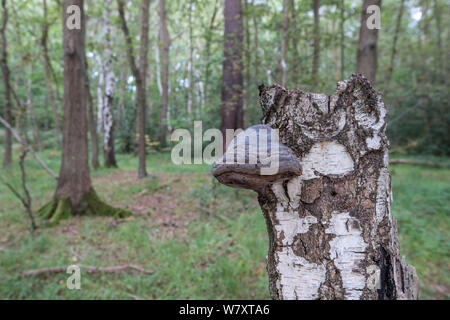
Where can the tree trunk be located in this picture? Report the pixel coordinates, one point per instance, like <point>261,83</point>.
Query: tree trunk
<point>208,52</point>
<point>331,231</point>
<point>316,54</point>
<point>164,40</point>
<point>100,88</point>
<point>284,42</point>
<point>190,62</point>
<point>7,157</point>
<point>140,75</point>
<point>109,156</point>
<point>367,47</point>
<point>294,37</point>
<point>255,56</point>
<point>394,44</point>
<point>342,22</point>
<point>248,61</point>
<point>48,76</point>
<point>232,80</point>
<point>91,120</point>
<point>74,193</point>
<point>32,114</point>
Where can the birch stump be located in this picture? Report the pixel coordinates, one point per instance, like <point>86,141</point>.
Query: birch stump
<point>331,231</point>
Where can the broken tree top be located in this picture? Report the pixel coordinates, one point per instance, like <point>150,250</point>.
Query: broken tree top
<point>328,207</point>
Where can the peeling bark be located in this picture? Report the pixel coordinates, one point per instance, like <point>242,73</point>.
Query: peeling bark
<point>331,231</point>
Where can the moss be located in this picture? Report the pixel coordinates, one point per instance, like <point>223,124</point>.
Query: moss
<point>46,211</point>
<point>99,208</point>
<point>58,209</point>
<point>63,211</point>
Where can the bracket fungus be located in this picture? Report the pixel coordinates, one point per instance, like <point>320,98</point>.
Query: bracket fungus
<point>327,205</point>
<point>255,159</point>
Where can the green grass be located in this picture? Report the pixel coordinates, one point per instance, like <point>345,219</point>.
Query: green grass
<point>202,240</point>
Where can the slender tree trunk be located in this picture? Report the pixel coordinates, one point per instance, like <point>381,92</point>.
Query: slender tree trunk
<point>7,157</point>
<point>122,98</point>
<point>335,52</point>
<point>100,88</point>
<point>208,52</point>
<point>248,66</point>
<point>32,114</point>
<point>256,60</point>
<point>328,208</point>
<point>48,76</point>
<point>108,119</point>
<point>232,80</point>
<point>284,42</point>
<point>342,44</point>
<point>394,44</point>
<point>316,55</point>
<point>367,47</point>
<point>294,37</point>
<point>441,63</point>
<point>91,120</point>
<point>143,65</point>
<point>190,62</point>
<point>140,75</point>
<point>151,78</point>
<point>164,40</point>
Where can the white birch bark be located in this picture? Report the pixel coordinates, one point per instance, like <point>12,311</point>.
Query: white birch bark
<point>100,87</point>
<point>108,120</point>
<point>331,231</point>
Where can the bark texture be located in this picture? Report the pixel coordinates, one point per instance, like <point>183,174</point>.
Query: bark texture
<point>91,120</point>
<point>164,41</point>
<point>367,47</point>
<point>316,54</point>
<point>232,80</point>
<point>331,231</point>
<point>108,119</point>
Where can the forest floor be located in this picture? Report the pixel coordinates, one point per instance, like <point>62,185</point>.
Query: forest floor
<point>200,239</point>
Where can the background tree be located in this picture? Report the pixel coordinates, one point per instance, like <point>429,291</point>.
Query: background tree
<point>7,156</point>
<point>316,55</point>
<point>108,119</point>
<point>140,75</point>
<point>48,71</point>
<point>164,44</point>
<point>367,47</point>
<point>232,80</point>
<point>74,192</point>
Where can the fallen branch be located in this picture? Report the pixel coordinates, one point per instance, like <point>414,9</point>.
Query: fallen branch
<point>420,163</point>
<point>19,139</point>
<point>90,269</point>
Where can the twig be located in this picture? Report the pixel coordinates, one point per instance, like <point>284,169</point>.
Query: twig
<point>90,269</point>
<point>14,133</point>
<point>26,201</point>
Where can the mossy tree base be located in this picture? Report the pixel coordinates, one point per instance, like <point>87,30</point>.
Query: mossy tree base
<point>58,209</point>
